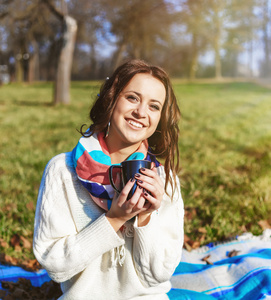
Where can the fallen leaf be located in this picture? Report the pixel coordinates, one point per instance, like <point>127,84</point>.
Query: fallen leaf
<point>195,244</point>
<point>9,207</point>
<point>206,259</point>
<point>187,247</point>
<point>202,238</point>
<point>9,297</point>
<point>2,294</point>
<point>18,248</point>
<point>202,230</point>
<point>186,238</point>
<point>31,265</point>
<point>20,294</point>
<point>15,240</point>
<point>26,243</point>
<point>243,228</point>
<point>23,289</point>
<point>196,193</point>
<point>190,244</point>
<point>190,213</point>
<point>264,224</point>
<point>233,253</point>
<point>8,260</point>
<point>3,243</point>
<point>30,206</point>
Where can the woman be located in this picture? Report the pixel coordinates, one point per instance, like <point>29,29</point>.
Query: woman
<point>98,244</point>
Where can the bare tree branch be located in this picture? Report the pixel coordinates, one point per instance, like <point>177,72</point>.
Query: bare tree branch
<point>56,12</point>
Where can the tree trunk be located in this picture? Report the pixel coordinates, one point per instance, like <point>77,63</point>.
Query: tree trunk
<point>63,73</point>
<point>93,62</point>
<point>33,72</point>
<point>19,68</point>
<point>217,40</point>
<point>266,41</point>
<point>217,59</point>
<point>120,51</point>
<point>194,59</point>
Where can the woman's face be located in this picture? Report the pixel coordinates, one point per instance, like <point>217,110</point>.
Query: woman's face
<point>138,110</point>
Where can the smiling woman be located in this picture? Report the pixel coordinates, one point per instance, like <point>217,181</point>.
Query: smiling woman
<point>87,234</point>
<point>135,116</point>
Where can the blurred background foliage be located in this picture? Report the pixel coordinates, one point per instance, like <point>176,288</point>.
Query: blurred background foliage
<point>189,38</point>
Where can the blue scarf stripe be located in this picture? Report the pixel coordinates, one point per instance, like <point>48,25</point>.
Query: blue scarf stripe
<point>96,189</point>
<point>100,157</point>
<point>77,152</point>
<point>91,161</point>
<point>150,157</point>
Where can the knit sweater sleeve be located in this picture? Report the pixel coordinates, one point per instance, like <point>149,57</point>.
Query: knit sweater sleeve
<point>58,245</point>
<point>158,245</point>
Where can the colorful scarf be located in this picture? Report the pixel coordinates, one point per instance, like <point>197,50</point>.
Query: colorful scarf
<point>92,162</point>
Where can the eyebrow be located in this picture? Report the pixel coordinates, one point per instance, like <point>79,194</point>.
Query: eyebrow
<point>140,95</point>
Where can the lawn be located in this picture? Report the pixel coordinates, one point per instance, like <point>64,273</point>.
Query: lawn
<point>225,144</point>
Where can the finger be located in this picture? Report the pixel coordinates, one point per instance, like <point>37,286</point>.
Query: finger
<point>151,185</point>
<point>147,205</point>
<point>152,173</point>
<point>151,202</point>
<point>125,191</point>
<point>134,199</point>
<point>140,204</point>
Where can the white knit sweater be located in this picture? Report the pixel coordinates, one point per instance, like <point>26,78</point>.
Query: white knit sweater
<point>76,244</point>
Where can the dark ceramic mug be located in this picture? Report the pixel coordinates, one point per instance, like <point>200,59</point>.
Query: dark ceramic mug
<point>128,170</point>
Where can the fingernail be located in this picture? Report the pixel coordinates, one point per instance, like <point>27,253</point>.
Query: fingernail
<point>143,169</point>
<point>132,179</point>
<point>137,175</point>
<point>140,187</point>
<point>146,194</point>
<point>139,181</point>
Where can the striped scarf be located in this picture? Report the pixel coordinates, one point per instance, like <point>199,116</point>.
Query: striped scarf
<point>92,162</point>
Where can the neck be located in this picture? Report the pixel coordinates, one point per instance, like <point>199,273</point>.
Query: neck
<point>119,153</point>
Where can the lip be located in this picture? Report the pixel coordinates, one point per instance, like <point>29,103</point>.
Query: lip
<point>136,121</point>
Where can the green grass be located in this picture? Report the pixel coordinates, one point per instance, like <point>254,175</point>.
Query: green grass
<point>225,144</point>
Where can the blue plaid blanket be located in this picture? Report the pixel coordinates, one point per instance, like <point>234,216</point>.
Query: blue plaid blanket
<point>240,269</point>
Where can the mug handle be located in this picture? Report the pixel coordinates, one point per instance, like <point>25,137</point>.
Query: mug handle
<point>111,177</point>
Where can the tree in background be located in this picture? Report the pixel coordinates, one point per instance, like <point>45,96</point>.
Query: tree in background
<point>193,16</point>
<point>67,44</point>
<point>241,33</point>
<point>266,37</point>
<point>141,28</point>
<point>176,34</point>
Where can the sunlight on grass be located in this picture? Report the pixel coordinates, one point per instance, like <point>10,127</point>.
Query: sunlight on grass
<point>225,143</point>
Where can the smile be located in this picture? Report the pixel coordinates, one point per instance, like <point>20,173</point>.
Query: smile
<point>138,125</point>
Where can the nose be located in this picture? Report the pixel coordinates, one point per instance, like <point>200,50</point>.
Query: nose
<point>140,111</point>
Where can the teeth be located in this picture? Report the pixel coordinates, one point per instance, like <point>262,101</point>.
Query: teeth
<point>135,124</point>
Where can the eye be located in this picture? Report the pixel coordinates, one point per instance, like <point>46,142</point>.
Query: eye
<point>132,98</point>
<point>155,107</point>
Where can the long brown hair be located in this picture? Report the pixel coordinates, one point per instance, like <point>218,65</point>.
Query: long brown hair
<point>164,142</point>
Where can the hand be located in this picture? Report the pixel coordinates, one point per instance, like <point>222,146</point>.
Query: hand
<point>150,181</point>
<point>122,209</point>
